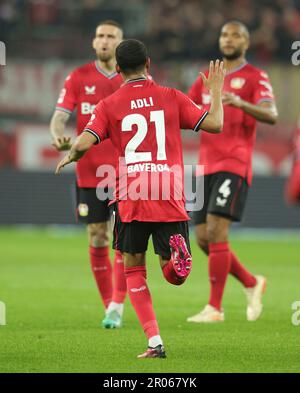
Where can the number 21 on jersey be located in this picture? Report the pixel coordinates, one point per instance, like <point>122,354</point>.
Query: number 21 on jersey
<point>158,118</point>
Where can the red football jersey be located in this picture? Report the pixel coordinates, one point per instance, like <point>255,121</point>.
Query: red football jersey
<point>83,89</point>
<point>146,133</point>
<point>296,144</point>
<point>292,190</point>
<point>231,150</point>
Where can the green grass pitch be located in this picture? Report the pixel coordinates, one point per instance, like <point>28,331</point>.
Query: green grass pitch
<point>54,312</point>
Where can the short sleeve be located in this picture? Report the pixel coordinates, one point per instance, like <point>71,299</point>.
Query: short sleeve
<point>262,89</point>
<point>67,99</point>
<point>195,92</point>
<point>191,115</point>
<point>98,123</point>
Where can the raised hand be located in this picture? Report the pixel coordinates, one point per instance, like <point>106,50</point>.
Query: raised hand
<point>216,75</point>
<point>63,143</point>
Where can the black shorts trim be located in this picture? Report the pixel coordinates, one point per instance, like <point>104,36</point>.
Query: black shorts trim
<point>133,237</point>
<point>225,195</point>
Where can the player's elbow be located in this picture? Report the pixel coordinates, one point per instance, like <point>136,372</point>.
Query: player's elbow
<point>213,124</point>
<point>217,126</point>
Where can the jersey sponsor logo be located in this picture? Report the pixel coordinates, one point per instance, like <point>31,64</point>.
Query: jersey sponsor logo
<point>142,288</point>
<point>87,108</point>
<point>141,103</point>
<point>83,209</point>
<point>266,93</point>
<point>148,167</point>
<point>237,83</point>
<point>206,99</point>
<point>90,90</point>
<point>267,85</point>
<point>264,74</point>
<point>62,96</point>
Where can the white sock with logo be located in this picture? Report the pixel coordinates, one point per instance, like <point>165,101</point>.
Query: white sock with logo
<point>155,341</point>
<point>113,306</point>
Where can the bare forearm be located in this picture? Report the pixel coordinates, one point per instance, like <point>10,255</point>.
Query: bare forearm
<point>77,150</point>
<point>81,145</point>
<point>58,124</point>
<point>214,120</point>
<point>260,113</point>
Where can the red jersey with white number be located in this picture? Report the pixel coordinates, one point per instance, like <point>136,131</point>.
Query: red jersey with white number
<point>83,89</point>
<point>145,130</point>
<point>231,150</point>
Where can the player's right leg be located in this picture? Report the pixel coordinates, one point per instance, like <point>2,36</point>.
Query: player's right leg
<point>132,240</point>
<point>95,215</point>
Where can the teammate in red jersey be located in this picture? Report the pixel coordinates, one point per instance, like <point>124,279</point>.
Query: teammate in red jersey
<point>82,90</point>
<point>292,191</point>
<point>145,129</point>
<point>247,97</point>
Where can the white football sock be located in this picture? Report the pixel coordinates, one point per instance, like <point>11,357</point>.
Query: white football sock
<point>155,341</point>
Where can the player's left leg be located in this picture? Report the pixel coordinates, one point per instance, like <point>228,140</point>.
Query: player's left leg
<point>132,240</point>
<point>140,298</point>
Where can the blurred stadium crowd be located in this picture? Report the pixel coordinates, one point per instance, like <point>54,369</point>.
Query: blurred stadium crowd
<point>173,29</point>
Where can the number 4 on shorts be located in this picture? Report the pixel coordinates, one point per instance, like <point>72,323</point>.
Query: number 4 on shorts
<point>225,188</point>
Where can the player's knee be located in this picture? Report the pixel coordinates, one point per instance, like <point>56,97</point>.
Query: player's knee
<point>98,235</point>
<point>216,233</point>
<point>202,243</point>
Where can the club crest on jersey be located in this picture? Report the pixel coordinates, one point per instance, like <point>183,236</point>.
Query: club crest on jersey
<point>83,209</point>
<point>90,90</point>
<point>237,83</point>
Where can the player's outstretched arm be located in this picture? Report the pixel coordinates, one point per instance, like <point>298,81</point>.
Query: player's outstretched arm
<point>81,145</point>
<point>57,128</point>
<point>265,112</point>
<point>214,83</point>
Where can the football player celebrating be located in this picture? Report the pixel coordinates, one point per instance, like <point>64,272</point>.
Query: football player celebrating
<point>83,89</point>
<point>247,97</point>
<point>146,132</point>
